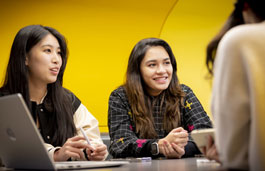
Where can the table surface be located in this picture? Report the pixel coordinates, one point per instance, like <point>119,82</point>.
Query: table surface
<point>187,164</point>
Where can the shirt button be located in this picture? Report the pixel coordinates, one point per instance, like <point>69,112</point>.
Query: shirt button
<point>41,110</point>
<point>48,137</point>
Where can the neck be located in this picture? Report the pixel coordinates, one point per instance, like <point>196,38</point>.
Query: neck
<point>249,16</point>
<point>37,92</point>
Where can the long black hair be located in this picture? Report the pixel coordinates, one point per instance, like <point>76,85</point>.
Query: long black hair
<point>235,19</point>
<point>16,80</point>
<point>137,95</point>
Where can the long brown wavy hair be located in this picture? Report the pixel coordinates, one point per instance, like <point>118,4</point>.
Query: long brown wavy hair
<point>172,97</point>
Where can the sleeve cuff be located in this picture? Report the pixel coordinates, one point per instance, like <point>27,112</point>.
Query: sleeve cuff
<point>51,151</point>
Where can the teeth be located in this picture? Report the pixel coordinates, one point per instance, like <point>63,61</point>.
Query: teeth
<point>161,78</point>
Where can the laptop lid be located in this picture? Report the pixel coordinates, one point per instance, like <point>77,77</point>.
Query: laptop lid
<point>21,145</point>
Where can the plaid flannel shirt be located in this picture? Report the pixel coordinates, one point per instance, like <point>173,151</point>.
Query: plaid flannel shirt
<point>125,142</point>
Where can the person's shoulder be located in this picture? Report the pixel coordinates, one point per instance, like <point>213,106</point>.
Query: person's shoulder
<point>68,92</point>
<point>186,89</point>
<point>244,33</point>
<point>249,29</point>
<point>73,98</point>
<point>120,91</point>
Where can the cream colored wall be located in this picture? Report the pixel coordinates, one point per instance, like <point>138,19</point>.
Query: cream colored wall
<point>102,33</point>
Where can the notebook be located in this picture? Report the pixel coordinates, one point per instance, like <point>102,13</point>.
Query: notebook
<point>21,145</point>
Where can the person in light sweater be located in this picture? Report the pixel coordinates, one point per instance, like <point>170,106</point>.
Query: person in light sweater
<point>238,93</point>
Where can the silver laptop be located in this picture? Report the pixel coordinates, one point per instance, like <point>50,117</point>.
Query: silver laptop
<point>21,145</point>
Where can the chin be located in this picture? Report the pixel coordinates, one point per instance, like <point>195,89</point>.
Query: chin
<point>164,86</point>
<point>51,81</point>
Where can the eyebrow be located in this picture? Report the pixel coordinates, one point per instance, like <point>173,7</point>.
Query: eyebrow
<point>50,46</point>
<point>166,59</point>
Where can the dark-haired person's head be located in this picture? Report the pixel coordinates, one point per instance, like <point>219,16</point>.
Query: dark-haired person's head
<point>26,39</point>
<point>135,75</point>
<point>245,11</point>
<point>38,58</point>
<point>152,71</point>
<point>256,6</point>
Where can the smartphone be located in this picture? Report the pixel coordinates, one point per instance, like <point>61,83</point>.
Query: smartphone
<point>200,136</point>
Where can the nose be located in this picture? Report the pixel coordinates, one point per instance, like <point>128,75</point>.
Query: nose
<point>56,58</point>
<point>161,69</point>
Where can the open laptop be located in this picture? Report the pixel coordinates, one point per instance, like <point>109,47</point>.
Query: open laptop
<point>21,145</point>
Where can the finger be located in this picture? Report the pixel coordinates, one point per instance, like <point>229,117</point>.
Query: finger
<point>211,139</point>
<point>164,148</point>
<point>204,151</point>
<point>91,148</point>
<point>209,143</point>
<point>169,150</point>
<point>179,129</point>
<point>102,153</point>
<point>96,158</point>
<point>181,134</point>
<point>180,140</point>
<point>75,150</point>
<point>76,138</point>
<point>100,147</point>
<point>178,150</point>
<point>78,144</point>
<point>73,153</point>
<point>182,144</point>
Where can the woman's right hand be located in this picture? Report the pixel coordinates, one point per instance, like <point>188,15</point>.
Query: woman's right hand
<point>73,147</point>
<point>178,136</point>
<point>172,146</point>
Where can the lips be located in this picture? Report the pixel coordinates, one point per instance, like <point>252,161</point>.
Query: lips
<point>54,70</point>
<point>161,80</point>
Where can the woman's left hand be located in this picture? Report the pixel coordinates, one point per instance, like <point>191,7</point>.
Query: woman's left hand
<point>171,150</point>
<point>210,150</point>
<point>99,152</point>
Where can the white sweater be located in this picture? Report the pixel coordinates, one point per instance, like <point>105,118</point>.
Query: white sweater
<point>238,99</point>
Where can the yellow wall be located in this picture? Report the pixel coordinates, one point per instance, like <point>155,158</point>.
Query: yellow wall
<point>102,33</point>
<point>188,29</point>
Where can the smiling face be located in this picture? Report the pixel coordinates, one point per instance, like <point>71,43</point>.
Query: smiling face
<point>156,70</point>
<point>44,61</point>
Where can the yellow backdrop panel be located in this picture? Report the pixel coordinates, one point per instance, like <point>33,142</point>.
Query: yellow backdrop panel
<point>102,33</point>
<point>188,29</point>
<point>100,36</point>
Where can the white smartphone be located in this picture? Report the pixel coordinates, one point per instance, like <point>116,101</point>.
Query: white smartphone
<point>200,136</point>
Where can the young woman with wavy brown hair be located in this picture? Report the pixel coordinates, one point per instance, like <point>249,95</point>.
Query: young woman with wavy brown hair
<point>152,113</point>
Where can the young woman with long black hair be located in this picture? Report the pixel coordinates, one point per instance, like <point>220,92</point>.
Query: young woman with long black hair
<point>35,69</point>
